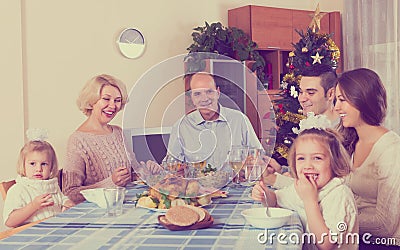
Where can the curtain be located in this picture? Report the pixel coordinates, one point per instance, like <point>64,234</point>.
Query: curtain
<point>371,40</point>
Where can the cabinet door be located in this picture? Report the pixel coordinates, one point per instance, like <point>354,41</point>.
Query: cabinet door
<point>271,28</point>
<point>302,19</point>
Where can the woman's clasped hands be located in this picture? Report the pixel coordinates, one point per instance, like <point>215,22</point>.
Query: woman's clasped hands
<point>121,176</point>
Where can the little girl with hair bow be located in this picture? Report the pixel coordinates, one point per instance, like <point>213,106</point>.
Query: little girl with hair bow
<point>36,194</point>
<point>319,195</point>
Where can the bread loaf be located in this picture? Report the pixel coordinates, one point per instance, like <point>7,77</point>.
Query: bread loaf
<point>182,216</point>
<point>200,211</point>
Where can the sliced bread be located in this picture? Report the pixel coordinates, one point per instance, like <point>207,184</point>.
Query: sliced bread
<point>182,216</point>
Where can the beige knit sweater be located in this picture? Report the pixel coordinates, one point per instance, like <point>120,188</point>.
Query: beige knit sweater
<point>91,160</point>
<point>24,192</point>
<point>376,188</point>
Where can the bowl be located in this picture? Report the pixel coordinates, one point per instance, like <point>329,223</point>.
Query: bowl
<point>258,218</point>
<point>215,180</point>
<point>95,195</point>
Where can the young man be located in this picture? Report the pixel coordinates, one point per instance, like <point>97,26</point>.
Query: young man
<point>317,92</point>
<point>207,133</point>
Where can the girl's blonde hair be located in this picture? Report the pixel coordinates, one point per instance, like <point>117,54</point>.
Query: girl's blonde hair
<point>37,146</point>
<point>90,93</point>
<point>332,142</point>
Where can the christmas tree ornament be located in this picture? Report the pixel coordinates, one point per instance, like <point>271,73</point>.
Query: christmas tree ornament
<point>293,92</point>
<point>317,58</point>
<point>287,141</point>
<point>304,50</point>
<point>284,85</point>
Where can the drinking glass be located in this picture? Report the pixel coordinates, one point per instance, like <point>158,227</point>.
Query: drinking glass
<point>237,158</point>
<point>253,166</point>
<point>114,199</point>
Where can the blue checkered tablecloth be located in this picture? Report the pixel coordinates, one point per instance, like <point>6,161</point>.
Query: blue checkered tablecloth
<point>86,226</point>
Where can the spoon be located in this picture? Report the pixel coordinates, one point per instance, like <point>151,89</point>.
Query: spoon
<point>265,204</point>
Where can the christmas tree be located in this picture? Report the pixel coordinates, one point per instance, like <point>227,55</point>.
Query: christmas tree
<point>312,50</point>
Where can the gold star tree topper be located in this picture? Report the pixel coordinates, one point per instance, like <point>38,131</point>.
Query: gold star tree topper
<point>315,24</point>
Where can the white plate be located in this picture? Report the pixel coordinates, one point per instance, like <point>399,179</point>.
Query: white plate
<point>164,210</point>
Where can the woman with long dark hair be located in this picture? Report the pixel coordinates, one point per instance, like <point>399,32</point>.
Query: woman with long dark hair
<point>375,154</point>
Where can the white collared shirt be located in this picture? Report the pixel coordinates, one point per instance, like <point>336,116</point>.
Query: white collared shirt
<point>194,139</point>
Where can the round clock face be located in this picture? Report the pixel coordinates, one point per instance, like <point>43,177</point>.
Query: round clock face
<point>131,43</point>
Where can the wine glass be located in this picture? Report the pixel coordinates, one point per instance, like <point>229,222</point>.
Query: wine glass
<point>237,158</point>
<point>252,166</point>
<point>172,164</point>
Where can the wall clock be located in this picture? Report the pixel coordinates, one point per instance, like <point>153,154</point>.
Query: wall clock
<point>131,43</point>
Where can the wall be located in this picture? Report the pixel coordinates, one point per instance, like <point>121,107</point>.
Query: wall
<point>12,97</point>
<point>51,48</point>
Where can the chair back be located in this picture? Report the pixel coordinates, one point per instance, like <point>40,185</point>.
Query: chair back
<point>60,172</point>
<point>4,186</point>
<point>147,143</point>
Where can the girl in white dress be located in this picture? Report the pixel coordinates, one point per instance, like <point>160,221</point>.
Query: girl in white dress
<point>36,194</point>
<point>324,203</point>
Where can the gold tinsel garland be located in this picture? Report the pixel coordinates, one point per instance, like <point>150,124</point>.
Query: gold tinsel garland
<point>290,117</point>
<point>336,51</point>
<point>335,54</point>
<point>290,77</point>
<point>282,149</point>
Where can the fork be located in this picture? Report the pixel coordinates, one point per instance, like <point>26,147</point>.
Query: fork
<point>265,204</point>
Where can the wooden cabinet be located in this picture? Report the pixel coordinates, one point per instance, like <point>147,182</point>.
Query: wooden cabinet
<point>273,29</point>
<point>279,22</point>
<point>277,59</point>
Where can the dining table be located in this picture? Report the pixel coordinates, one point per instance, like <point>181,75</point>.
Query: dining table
<point>86,226</point>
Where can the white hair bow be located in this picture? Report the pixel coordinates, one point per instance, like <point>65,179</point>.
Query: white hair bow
<point>37,134</point>
<point>313,121</point>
